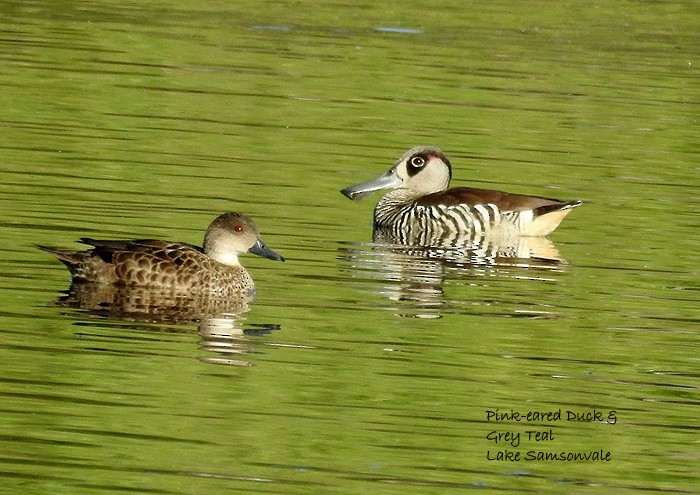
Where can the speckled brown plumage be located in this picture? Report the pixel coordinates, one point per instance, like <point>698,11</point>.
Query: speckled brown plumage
<point>175,266</point>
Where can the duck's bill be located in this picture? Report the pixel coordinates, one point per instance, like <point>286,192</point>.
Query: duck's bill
<point>385,181</point>
<point>261,249</point>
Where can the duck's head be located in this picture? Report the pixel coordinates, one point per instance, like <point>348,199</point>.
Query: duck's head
<point>232,234</point>
<point>421,170</point>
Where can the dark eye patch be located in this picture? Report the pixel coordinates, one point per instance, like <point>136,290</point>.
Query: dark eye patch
<point>416,163</point>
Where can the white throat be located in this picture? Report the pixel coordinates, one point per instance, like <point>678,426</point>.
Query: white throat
<point>224,256</point>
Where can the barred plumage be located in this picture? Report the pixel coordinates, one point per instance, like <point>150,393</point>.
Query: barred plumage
<point>437,225</point>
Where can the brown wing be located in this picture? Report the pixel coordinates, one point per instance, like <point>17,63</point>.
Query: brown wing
<point>143,262</point>
<point>131,244</point>
<point>179,266</point>
<point>150,262</point>
<point>474,196</point>
<point>106,248</point>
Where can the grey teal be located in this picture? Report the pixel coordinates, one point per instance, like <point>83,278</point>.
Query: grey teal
<point>175,266</point>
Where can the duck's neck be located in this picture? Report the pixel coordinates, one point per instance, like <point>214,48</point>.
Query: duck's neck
<point>397,198</point>
<point>393,204</point>
<point>223,256</point>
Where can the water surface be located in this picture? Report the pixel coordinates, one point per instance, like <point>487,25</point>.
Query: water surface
<point>355,368</point>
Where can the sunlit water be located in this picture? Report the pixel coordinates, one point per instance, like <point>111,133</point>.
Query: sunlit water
<point>357,367</point>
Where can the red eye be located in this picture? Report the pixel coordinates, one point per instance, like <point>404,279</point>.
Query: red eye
<point>238,228</point>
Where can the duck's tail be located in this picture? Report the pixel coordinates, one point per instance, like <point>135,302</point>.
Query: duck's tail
<point>548,217</point>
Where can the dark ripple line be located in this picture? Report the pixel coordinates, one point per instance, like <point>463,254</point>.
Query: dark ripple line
<point>684,373</point>
<point>249,69</point>
<point>179,197</point>
<point>565,360</point>
<point>70,400</point>
<point>145,470</point>
<point>199,156</point>
<point>55,350</point>
<point>51,126</point>
<point>657,384</point>
<point>412,448</point>
<point>60,175</point>
<point>624,268</point>
<point>429,431</point>
<point>43,441</point>
<point>124,488</point>
<point>62,133</point>
<point>354,101</point>
<point>260,125</point>
<point>455,378</point>
<point>22,381</point>
<point>358,476</point>
<point>129,352</point>
<point>146,331</point>
<point>34,477</point>
<point>76,70</point>
<point>50,43</point>
<point>62,415</point>
<point>140,436</point>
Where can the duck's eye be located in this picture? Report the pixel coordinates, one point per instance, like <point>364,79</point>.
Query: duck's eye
<point>418,161</point>
<point>238,228</point>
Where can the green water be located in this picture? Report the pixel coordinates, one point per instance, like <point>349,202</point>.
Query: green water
<point>371,373</point>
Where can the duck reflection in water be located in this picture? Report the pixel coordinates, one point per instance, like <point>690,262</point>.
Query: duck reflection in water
<point>414,277</point>
<point>464,227</point>
<point>170,282</point>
